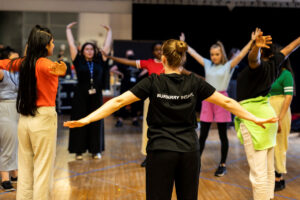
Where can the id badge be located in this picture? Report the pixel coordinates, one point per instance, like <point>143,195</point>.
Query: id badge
<point>92,91</point>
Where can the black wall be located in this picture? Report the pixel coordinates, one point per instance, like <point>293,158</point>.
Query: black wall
<point>204,25</point>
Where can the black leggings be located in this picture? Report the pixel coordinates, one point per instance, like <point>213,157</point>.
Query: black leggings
<point>163,168</point>
<point>222,127</point>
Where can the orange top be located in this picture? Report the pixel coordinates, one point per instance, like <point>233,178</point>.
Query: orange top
<point>46,82</point>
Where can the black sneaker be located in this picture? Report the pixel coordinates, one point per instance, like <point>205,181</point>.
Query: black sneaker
<point>13,180</point>
<point>7,186</point>
<point>119,123</point>
<point>143,164</point>
<point>135,123</point>
<point>279,185</point>
<point>221,171</point>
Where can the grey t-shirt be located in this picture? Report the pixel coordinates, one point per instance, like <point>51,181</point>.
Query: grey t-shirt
<point>9,86</point>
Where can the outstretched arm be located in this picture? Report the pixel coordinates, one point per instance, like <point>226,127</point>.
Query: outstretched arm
<point>192,51</point>
<point>286,51</point>
<point>71,41</point>
<point>245,50</point>
<point>235,108</point>
<point>11,65</point>
<point>123,61</point>
<point>105,110</point>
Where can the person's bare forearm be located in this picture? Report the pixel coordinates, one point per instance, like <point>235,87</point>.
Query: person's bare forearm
<point>107,42</point>
<point>286,104</point>
<point>1,74</point>
<point>242,54</point>
<point>196,55</point>
<point>123,61</point>
<point>111,106</point>
<point>254,57</point>
<point>286,51</point>
<point>71,42</point>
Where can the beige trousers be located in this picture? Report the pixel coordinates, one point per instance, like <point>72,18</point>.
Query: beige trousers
<point>37,147</point>
<point>282,137</point>
<point>261,163</point>
<point>145,127</point>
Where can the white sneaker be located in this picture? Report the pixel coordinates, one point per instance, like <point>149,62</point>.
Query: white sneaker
<point>97,156</point>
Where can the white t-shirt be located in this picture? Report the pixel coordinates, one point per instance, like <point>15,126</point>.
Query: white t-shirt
<point>218,75</point>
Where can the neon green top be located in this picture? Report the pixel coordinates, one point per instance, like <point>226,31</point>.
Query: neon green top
<point>261,138</point>
<point>283,84</point>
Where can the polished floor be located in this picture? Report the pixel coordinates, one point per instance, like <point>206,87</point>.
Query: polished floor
<point>118,175</point>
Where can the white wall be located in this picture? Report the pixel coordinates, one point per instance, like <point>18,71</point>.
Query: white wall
<point>99,6</point>
<point>92,13</point>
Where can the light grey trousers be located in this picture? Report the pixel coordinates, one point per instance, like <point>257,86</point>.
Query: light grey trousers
<point>8,135</point>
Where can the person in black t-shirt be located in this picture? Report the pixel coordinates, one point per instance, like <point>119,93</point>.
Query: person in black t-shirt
<point>173,146</point>
<point>130,75</point>
<point>253,86</point>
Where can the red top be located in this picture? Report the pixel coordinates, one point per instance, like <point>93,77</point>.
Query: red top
<point>46,82</point>
<point>152,65</point>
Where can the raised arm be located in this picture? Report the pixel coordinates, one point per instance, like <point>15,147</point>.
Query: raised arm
<point>107,109</point>
<point>254,54</point>
<point>71,41</point>
<point>123,61</point>
<point>235,108</point>
<point>108,40</point>
<point>286,51</point>
<point>192,51</point>
<point>237,59</point>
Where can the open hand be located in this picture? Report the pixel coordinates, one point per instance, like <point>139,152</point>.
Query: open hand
<point>75,124</point>
<point>256,33</point>
<point>182,37</point>
<point>263,41</point>
<point>107,28</point>
<point>71,24</point>
<point>58,69</point>
<point>260,122</point>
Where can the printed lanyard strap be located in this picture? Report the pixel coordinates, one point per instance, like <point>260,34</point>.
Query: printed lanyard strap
<point>91,68</point>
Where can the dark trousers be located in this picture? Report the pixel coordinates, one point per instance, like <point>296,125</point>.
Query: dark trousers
<point>163,168</point>
<point>222,128</point>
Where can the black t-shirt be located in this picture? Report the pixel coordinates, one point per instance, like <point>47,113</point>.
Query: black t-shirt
<point>171,115</point>
<point>100,72</point>
<point>256,82</point>
<point>130,76</point>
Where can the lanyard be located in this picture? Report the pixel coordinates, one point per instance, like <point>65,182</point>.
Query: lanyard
<point>91,68</point>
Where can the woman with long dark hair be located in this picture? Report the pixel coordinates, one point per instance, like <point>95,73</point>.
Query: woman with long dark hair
<point>38,81</point>
<point>173,146</point>
<point>282,92</point>
<point>91,70</point>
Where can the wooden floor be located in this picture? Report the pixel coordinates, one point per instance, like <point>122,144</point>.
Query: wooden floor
<point>118,175</point>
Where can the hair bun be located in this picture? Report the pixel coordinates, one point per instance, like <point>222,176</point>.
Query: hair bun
<point>181,46</point>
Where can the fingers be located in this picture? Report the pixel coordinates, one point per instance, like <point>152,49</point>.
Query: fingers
<point>71,24</point>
